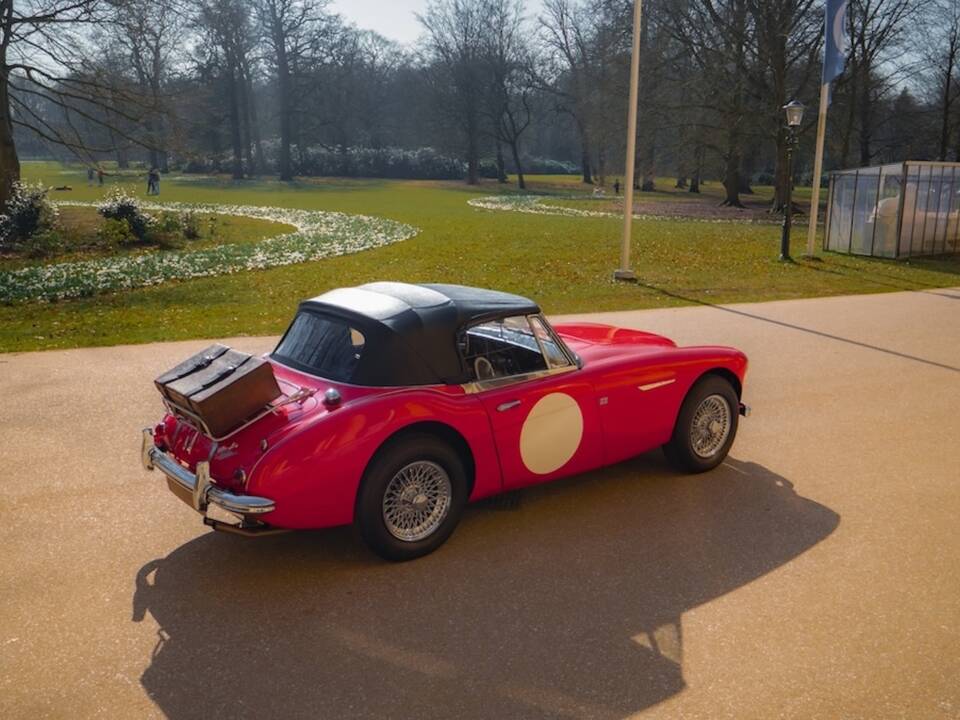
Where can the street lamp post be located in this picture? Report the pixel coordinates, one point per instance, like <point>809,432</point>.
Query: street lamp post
<point>794,112</point>
<point>624,272</point>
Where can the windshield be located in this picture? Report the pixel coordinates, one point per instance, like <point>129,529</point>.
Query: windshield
<point>321,346</point>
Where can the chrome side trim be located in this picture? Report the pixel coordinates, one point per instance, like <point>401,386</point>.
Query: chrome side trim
<point>655,385</point>
<point>199,485</point>
<point>481,385</point>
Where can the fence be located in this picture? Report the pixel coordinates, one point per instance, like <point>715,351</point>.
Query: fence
<point>900,210</point>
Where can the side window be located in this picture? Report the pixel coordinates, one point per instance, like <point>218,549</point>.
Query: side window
<point>555,356</point>
<point>502,348</point>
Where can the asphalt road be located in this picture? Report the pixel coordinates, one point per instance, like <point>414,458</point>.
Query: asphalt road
<point>814,575</point>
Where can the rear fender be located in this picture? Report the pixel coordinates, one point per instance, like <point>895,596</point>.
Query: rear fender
<point>315,474</point>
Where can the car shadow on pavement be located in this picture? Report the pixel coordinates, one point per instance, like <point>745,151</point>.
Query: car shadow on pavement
<point>569,604</point>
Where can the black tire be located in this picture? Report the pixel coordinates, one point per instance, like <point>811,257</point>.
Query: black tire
<point>419,450</point>
<point>681,451</point>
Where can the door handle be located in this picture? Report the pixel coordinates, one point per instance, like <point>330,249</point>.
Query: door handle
<point>503,407</point>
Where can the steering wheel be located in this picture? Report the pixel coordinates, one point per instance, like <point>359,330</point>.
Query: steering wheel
<point>483,369</point>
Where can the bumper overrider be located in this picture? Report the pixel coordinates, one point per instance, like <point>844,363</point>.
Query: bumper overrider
<point>198,490</point>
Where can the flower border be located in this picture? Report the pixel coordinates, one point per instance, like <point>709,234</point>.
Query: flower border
<point>534,205</point>
<point>319,234</point>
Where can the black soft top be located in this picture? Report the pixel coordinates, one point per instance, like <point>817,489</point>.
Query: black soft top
<point>411,330</point>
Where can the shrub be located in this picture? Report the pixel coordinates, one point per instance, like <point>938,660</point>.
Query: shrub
<point>29,212</point>
<point>190,225</point>
<point>168,222</point>
<point>42,244</point>
<point>116,233</point>
<point>120,206</point>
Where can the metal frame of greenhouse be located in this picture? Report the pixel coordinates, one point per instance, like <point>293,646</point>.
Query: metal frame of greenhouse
<point>901,210</point>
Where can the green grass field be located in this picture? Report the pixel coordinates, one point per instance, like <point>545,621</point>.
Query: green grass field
<point>565,263</point>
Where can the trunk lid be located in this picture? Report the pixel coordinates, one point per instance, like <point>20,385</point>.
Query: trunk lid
<point>233,457</point>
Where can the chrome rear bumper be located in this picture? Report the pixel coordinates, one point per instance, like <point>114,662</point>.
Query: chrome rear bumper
<point>199,486</point>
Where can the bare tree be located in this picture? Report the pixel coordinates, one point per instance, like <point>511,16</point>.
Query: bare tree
<point>509,69</point>
<point>568,37</point>
<point>294,32</point>
<point>45,67</point>
<point>782,66</point>
<point>877,30</point>
<point>942,58</point>
<point>717,35</point>
<point>149,34</point>
<point>454,41</point>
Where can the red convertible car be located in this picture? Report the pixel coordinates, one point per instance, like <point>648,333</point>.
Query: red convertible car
<point>401,403</point>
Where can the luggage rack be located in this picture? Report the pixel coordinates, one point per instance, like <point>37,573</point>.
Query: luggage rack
<point>197,422</point>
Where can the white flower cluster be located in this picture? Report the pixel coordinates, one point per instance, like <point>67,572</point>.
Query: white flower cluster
<point>318,235</point>
<point>534,205</point>
<point>531,205</point>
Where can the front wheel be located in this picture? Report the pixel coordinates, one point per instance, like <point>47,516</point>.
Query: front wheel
<point>411,497</point>
<point>706,426</point>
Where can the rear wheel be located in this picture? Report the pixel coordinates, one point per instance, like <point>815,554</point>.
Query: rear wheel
<point>411,497</point>
<point>706,426</point>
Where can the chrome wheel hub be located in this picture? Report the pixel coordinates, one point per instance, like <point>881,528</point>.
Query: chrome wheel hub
<point>711,426</point>
<point>417,500</point>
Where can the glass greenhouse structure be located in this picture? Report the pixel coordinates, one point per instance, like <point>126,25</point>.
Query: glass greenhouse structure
<point>895,211</point>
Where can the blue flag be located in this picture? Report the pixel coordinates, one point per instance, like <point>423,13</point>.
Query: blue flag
<point>836,40</point>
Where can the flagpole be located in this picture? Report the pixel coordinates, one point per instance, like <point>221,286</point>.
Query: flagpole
<point>624,272</point>
<point>817,168</point>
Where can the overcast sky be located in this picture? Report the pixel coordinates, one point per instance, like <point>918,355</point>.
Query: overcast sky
<point>392,18</point>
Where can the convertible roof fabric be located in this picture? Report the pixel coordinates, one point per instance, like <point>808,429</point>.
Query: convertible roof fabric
<point>411,330</point>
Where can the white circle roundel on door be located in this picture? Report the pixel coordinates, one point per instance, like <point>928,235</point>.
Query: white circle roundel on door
<point>551,433</point>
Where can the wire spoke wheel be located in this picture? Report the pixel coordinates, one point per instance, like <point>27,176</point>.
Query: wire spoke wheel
<point>417,500</point>
<point>710,426</point>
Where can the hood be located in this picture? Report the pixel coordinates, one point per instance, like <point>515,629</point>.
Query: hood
<point>593,340</point>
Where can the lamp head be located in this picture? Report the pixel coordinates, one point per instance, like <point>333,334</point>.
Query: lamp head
<point>794,112</point>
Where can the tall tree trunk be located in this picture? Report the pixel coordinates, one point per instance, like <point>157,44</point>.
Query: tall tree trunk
<point>259,163</point>
<point>285,110</point>
<point>648,166</point>
<point>473,152</point>
<point>9,162</point>
<point>246,137</point>
<point>585,165</point>
<point>235,136</point>
<point>731,180</point>
<point>515,151</point>
<point>697,169</point>
<point>945,109</point>
<point>501,169</point>
<point>866,120</point>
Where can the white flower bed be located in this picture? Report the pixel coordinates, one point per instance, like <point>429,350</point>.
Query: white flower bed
<point>534,205</point>
<point>318,235</point>
<point>531,205</point>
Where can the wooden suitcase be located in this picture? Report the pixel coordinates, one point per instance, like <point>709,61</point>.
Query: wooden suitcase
<point>189,366</point>
<point>224,392</point>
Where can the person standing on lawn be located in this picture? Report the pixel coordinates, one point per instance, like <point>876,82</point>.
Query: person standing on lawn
<point>90,176</point>
<point>100,175</point>
<point>153,182</point>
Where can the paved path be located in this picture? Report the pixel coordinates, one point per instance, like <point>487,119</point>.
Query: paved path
<point>816,574</point>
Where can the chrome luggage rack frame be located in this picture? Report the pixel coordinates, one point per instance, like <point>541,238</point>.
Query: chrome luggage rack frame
<point>191,418</point>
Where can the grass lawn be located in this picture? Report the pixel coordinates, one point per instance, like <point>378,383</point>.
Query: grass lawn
<point>566,263</point>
